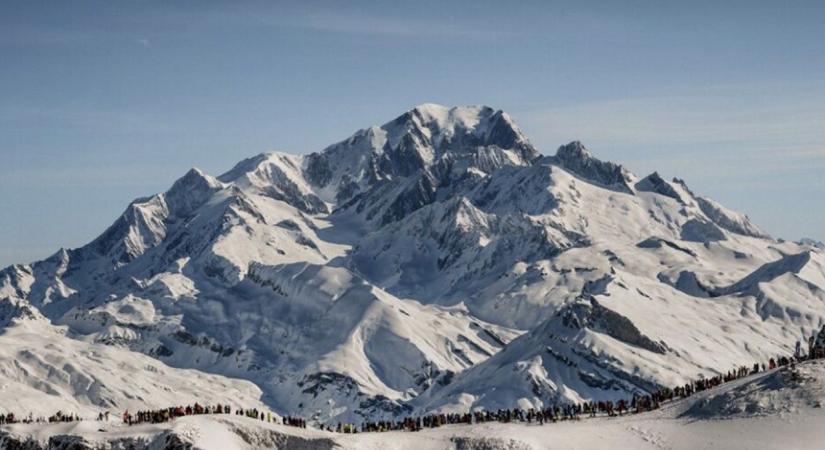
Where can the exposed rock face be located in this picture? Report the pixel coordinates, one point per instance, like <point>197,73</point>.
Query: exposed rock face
<point>575,158</point>
<point>593,315</point>
<point>190,192</point>
<point>423,139</point>
<point>14,310</point>
<point>655,183</point>
<point>812,243</point>
<point>696,230</point>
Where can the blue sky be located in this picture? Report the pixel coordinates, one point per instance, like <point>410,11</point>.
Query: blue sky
<point>103,102</point>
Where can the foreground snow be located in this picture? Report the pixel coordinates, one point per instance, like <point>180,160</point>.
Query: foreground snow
<point>776,409</point>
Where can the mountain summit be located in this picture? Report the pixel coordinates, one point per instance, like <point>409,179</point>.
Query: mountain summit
<point>436,262</point>
<point>427,138</point>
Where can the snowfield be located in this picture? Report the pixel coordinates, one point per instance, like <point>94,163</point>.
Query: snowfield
<point>436,263</point>
<point>43,371</point>
<point>777,409</point>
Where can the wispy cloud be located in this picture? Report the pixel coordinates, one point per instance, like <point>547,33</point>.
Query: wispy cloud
<point>390,26</point>
<point>84,118</point>
<point>333,20</point>
<point>30,35</point>
<point>762,120</point>
<point>749,137</point>
<point>144,175</point>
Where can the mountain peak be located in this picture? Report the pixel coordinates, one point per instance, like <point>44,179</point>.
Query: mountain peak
<point>256,163</point>
<point>431,109</point>
<point>655,183</point>
<point>276,175</point>
<point>190,191</point>
<point>577,159</point>
<point>444,116</point>
<point>243,167</point>
<point>812,243</point>
<point>195,177</point>
<point>420,139</point>
<point>574,151</point>
<point>478,125</point>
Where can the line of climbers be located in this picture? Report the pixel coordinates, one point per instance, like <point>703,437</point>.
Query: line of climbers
<point>574,411</point>
<point>161,416</point>
<point>569,411</point>
<point>57,417</point>
<point>167,414</point>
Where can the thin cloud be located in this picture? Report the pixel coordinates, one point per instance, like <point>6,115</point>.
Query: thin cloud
<point>724,139</point>
<point>24,36</point>
<point>87,119</point>
<point>684,120</point>
<point>39,36</point>
<point>336,22</point>
<point>387,26</point>
<point>145,176</point>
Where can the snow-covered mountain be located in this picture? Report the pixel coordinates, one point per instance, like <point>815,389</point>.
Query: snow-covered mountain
<point>437,262</point>
<point>813,243</point>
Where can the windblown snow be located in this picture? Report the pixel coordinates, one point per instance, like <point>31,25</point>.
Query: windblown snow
<point>438,262</point>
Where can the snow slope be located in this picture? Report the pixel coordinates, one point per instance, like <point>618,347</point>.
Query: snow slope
<point>776,409</point>
<point>43,370</point>
<point>436,262</point>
